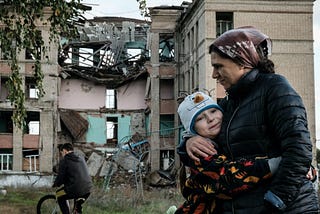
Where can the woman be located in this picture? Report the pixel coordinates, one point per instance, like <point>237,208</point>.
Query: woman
<point>263,116</point>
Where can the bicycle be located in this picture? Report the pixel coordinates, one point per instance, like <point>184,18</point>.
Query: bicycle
<point>49,204</point>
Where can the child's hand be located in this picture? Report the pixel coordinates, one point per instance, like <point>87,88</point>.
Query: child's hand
<point>312,174</point>
<point>198,146</point>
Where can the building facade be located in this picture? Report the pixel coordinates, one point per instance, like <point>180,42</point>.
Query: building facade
<point>24,150</point>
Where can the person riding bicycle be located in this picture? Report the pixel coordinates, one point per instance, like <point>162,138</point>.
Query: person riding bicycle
<point>73,177</point>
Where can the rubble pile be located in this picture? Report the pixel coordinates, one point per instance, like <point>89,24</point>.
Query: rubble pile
<point>123,167</point>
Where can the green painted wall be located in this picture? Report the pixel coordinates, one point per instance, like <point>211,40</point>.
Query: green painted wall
<point>97,128</point>
<point>123,126</point>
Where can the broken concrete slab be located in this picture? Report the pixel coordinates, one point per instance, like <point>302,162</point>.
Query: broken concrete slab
<point>94,163</point>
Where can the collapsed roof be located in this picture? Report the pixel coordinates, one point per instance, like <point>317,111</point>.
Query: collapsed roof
<point>108,51</point>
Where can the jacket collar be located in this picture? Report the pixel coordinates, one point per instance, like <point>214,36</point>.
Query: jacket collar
<point>244,85</point>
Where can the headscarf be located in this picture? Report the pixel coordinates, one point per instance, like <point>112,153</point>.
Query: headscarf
<point>242,43</point>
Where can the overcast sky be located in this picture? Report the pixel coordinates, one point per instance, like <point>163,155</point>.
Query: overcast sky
<point>130,9</point>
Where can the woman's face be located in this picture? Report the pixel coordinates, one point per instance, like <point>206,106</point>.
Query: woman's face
<point>226,71</point>
<point>208,123</point>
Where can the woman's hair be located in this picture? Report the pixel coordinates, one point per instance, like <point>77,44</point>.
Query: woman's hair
<point>265,65</point>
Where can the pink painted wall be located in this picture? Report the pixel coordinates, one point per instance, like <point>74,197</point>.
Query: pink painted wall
<point>131,96</point>
<point>81,94</point>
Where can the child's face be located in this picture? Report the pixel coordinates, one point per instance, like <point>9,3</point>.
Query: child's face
<point>208,123</point>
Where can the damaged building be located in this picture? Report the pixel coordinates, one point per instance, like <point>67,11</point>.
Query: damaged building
<point>115,88</point>
<point>101,99</point>
<point>111,67</point>
<point>29,151</point>
<point>104,83</point>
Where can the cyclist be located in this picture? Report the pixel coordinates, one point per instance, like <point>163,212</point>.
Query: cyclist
<point>73,179</point>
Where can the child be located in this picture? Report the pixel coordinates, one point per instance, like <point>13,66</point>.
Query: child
<point>215,177</point>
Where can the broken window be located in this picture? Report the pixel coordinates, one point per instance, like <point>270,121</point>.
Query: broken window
<point>112,130</point>
<point>6,130</point>
<point>33,123</point>
<point>4,55</point>
<point>34,127</point>
<point>6,125</point>
<point>136,50</point>
<point>69,55</point>
<point>6,159</point>
<point>4,92</point>
<point>32,92</point>
<point>166,89</point>
<point>110,99</point>
<point>30,160</point>
<point>166,48</point>
<point>31,142</point>
<point>192,81</point>
<point>196,76</point>
<point>134,54</point>
<point>192,44</point>
<point>167,125</point>
<point>35,52</point>
<point>196,35</point>
<point>107,57</point>
<point>224,22</point>
<point>86,57</point>
<point>166,159</point>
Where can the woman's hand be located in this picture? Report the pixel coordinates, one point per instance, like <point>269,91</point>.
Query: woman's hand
<point>312,174</point>
<point>198,146</point>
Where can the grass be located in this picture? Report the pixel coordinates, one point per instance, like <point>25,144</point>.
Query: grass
<point>121,200</point>
<point>127,200</point>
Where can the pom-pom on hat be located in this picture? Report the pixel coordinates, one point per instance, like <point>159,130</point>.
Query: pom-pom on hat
<point>192,106</point>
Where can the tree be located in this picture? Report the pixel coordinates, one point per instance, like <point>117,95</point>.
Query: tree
<point>143,8</point>
<point>18,31</point>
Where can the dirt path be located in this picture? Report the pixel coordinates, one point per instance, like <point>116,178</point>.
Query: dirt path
<point>10,209</point>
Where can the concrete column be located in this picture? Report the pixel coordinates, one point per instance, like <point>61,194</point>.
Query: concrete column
<point>155,103</point>
<point>46,141</point>
<point>17,149</point>
<point>17,136</point>
<point>178,52</point>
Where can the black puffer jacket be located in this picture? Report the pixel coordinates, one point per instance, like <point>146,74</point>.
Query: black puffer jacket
<point>264,116</point>
<point>73,173</point>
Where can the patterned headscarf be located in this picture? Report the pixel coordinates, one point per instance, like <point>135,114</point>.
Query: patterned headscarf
<point>242,43</point>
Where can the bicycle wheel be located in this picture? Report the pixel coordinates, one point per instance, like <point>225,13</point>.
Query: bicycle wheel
<point>48,205</point>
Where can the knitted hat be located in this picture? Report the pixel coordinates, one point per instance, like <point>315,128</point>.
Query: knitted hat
<point>192,106</point>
